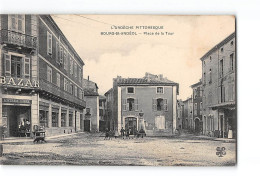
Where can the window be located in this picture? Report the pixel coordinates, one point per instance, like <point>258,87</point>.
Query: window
<point>61,55</point>
<point>210,58</point>
<point>7,64</point>
<point>204,63</point>
<point>58,79</point>
<point>130,90</point>
<point>195,109</point>
<point>195,93</point>
<point>49,74</point>
<point>16,23</point>
<point>16,66</point>
<point>200,106</point>
<point>100,103</point>
<point>71,119</point>
<point>76,91</point>
<point>80,75</point>
<point>55,119</point>
<point>49,43</point>
<point>75,70</point>
<point>159,104</point>
<point>221,49</point>
<point>57,52</point>
<point>101,112</point>
<point>232,43</point>
<point>130,104</point>
<point>159,90</point>
<point>231,62</point>
<point>160,122</point>
<point>204,78</point>
<point>65,84</point>
<point>65,60</point>
<point>221,71</point>
<point>71,66</point>
<point>210,76</point>
<point>71,88</point>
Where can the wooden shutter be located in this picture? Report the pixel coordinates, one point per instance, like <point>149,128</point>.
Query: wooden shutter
<point>57,51</point>
<point>127,106</point>
<point>124,104</point>
<point>26,66</point>
<point>7,64</point>
<point>136,105</point>
<point>49,43</point>
<point>165,104</point>
<point>61,55</point>
<point>154,107</point>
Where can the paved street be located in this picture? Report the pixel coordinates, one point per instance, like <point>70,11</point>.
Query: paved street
<point>91,149</point>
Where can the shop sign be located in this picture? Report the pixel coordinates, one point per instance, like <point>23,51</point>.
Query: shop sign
<point>16,101</point>
<point>20,82</point>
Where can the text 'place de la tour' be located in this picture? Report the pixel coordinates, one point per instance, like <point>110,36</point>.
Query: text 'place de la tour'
<point>55,111</point>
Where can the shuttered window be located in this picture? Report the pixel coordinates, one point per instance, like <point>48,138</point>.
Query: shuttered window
<point>26,66</point>
<point>65,60</point>
<point>136,105</point>
<point>57,52</point>
<point>154,107</point>
<point>61,55</point>
<point>7,64</point>
<point>16,23</point>
<point>165,104</point>
<point>124,104</point>
<point>49,43</point>
<point>58,79</point>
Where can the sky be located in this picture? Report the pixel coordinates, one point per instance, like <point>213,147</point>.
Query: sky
<point>176,56</point>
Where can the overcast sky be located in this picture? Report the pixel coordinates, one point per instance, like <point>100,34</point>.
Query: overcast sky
<point>175,56</point>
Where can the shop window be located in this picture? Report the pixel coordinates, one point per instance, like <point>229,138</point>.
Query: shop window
<point>71,119</point>
<point>159,90</point>
<point>43,118</point>
<point>63,119</point>
<point>55,119</point>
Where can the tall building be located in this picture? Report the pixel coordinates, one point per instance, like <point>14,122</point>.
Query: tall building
<point>110,124</point>
<point>219,89</point>
<point>187,120</point>
<point>148,103</point>
<point>197,107</point>
<point>41,77</point>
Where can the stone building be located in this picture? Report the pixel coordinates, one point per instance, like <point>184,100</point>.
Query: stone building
<point>219,89</point>
<point>41,77</point>
<point>110,124</point>
<point>187,120</point>
<point>148,103</point>
<point>197,106</point>
<point>91,111</point>
<point>102,116</point>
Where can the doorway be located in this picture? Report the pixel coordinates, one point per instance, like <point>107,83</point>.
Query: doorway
<point>87,125</point>
<point>131,124</point>
<point>197,125</point>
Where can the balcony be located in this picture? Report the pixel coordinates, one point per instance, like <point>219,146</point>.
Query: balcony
<point>52,91</point>
<point>16,39</point>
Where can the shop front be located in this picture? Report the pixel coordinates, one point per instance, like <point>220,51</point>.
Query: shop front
<point>16,117</point>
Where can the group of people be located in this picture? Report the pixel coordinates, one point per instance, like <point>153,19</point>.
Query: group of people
<point>125,134</point>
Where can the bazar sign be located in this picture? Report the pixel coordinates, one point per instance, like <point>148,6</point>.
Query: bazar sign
<point>16,101</point>
<point>20,82</point>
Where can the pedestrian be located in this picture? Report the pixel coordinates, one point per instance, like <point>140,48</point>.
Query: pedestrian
<point>111,134</point>
<point>127,133</point>
<point>116,133</point>
<point>106,134</point>
<point>122,131</point>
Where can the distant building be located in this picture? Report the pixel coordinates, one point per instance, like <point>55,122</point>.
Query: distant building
<point>149,103</point>
<point>180,114</point>
<point>187,120</point>
<point>219,89</point>
<point>91,111</point>
<point>102,116</point>
<point>110,123</point>
<point>197,106</point>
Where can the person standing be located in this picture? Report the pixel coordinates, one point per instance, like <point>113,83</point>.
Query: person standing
<point>122,131</point>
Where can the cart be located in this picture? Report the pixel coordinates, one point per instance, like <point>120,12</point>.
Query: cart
<point>39,135</point>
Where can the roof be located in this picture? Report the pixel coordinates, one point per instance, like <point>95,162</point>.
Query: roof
<point>145,81</point>
<point>196,84</point>
<point>107,92</point>
<point>102,97</point>
<point>227,39</point>
<point>90,92</point>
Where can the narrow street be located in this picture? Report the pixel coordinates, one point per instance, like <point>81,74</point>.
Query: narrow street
<point>92,149</point>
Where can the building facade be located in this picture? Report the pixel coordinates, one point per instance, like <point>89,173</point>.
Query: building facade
<point>197,107</point>
<point>187,119</point>
<point>91,111</point>
<point>37,86</point>
<point>102,116</point>
<point>219,89</point>
<point>110,123</point>
<point>148,103</point>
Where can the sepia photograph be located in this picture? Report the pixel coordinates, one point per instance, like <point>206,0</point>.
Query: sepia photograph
<point>118,90</point>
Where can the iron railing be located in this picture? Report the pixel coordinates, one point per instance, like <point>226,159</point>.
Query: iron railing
<point>16,38</point>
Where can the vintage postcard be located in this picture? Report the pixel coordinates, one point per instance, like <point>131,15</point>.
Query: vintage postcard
<point>118,90</point>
